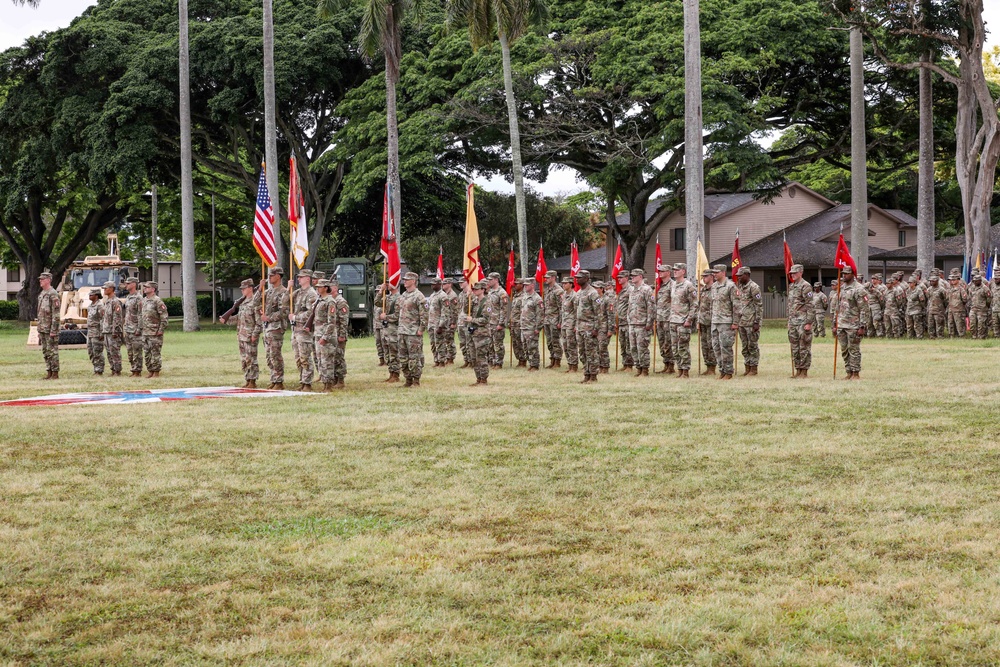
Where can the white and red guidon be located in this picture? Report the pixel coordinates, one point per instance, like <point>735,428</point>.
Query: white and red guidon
<point>148,396</point>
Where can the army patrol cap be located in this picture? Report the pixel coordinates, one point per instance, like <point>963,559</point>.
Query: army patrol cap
<point>583,273</point>
<point>108,285</point>
<point>551,274</point>
<point>743,271</point>
<point>598,284</point>
<point>680,266</point>
<point>150,283</point>
<point>435,281</point>
<point>45,274</point>
<point>817,284</point>
<point>664,268</point>
<point>637,272</point>
<point>912,279</point>
<point>566,280</point>
<point>276,271</point>
<point>796,268</point>
<point>719,268</point>
<point>132,280</point>
<point>706,272</point>
<point>480,285</point>
<point>876,276</point>
<point>246,283</point>
<point>846,271</point>
<point>322,282</point>
<point>448,281</point>
<point>305,272</point>
<point>410,275</point>
<point>94,295</point>
<point>319,275</point>
<point>493,276</point>
<point>833,283</point>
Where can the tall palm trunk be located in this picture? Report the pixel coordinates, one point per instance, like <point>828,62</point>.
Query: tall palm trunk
<point>693,152</point>
<point>859,166</point>
<point>271,133</point>
<point>515,153</point>
<point>189,299</point>
<point>392,128</point>
<point>925,177</point>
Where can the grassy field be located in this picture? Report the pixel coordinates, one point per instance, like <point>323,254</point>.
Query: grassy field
<point>638,521</point>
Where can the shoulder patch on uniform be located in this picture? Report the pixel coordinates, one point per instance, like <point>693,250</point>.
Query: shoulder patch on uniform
<point>757,296</point>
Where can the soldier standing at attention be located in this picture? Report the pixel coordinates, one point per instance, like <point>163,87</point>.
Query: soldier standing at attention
<point>48,325</point>
<point>820,304</point>
<point>325,325</point>
<point>683,316</point>
<point>133,332</point>
<point>480,340</point>
<point>343,326</point>
<point>448,322</point>
<point>275,319</point>
<point>958,305</point>
<point>466,297</point>
<point>248,328</point>
<point>567,325</point>
<point>800,321</point>
<point>530,320</point>
<point>621,313</point>
<point>514,321</point>
<point>377,318</point>
<point>751,312</point>
<point>390,333</point>
<point>916,308</point>
<point>412,325</point>
<point>995,305</point>
<point>112,327</point>
<point>876,300</point>
<point>895,302</point>
<point>641,318</point>
<point>95,338</point>
<point>303,344</point>
<point>154,323</point>
<point>705,320</point>
<point>662,296</point>
<point>433,317</point>
<point>497,306</point>
<point>937,308</point>
<point>553,317</point>
<point>590,321</point>
<point>604,337</point>
<point>851,314</point>
<point>724,307</point>
<point>979,306</point>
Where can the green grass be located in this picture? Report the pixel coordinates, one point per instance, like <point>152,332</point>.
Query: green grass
<point>639,521</point>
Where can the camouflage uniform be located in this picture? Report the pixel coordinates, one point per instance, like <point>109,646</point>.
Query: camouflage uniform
<point>530,319</point>
<point>95,336</point>
<point>876,303</point>
<point>154,323</point>
<point>916,306</point>
<point>552,301</point>
<point>995,306</point>
<point>133,332</point>
<point>958,306</point>
<point>663,336</point>
<point>516,341</point>
<point>412,324</point>
<point>852,311</point>
<point>377,318</point>
<point>724,309</point>
<point>325,327</point>
<point>497,302</point>
<point>567,328</point>
<point>895,304</point>
<point>433,319</point>
<point>48,323</point>
<point>480,340</point>
<point>641,317</point>
<point>248,330</point>
<point>447,325</point>
<point>343,326</point>
<point>621,315</point>
<point>683,313</point>
<point>465,301</point>
<point>303,345</point>
<point>276,309</point>
<point>590,322</point>
<point>979,308</point>
<point>751,312</point>
<point>937,310</point>
<point>800,316</point>
<point>604,339</point>
<point>112,327</point>
<point>390,333</point>
<point>705,326</point>
<point>821,302</point>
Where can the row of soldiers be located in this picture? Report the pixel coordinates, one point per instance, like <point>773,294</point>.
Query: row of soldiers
<point>935,307</point>
<point>136,322</point>
<point>319,318</point>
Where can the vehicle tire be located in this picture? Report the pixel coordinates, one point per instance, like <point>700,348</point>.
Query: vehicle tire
<point>72,337</point>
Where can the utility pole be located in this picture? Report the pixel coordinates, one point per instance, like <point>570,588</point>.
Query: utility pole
<point>693,151</point>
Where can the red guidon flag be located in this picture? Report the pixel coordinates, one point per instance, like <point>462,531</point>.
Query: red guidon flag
<point>843,257</point>
<point>574,265</point>
<point>737,262</point>
<point>510,272</point>
<point>541,269</point>
<point>389,248</point>
<point>263,222</point>
<point>440,271</point>
<point>788,256</point>
<point>659,263</point>
<point>616,268</point>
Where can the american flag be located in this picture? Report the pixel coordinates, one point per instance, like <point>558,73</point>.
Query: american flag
<point>263,223</point>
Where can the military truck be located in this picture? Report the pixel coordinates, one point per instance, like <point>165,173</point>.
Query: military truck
<point>357,285</point>
<point>80,279</point>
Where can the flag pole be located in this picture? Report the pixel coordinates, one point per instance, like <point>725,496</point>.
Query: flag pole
<point>656,299</point>
<point>697,324</point>
<point>617,333</point>
<point>836,336</point>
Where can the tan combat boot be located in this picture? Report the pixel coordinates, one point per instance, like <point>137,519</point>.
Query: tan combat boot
<point>251,384</point>
<point>279,386</point>
<point>339,384</point>
<point>709,370</point>
<point>305,387</point>
<point>416,382</point>
<point>409,382</point>
<point>753,370</point>
<point>393,377</point>
<point>804,374</point>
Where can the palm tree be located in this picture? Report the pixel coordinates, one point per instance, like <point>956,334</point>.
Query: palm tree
<point>508,20</point>
<point>188,295</point>
<point>30,3</point>
<point>382,30</point>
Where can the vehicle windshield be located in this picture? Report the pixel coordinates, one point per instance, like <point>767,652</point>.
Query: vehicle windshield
<point>350,274</point>
<point>94,277</point>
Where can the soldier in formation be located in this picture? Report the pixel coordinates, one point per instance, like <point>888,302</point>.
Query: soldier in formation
<point>302,317</point>
<point>641,318</point>
<point>433,315</point>
<point>895,307</point>
<point>725,303</point>
<point>979,306</point>
<point>275,319</point>
<point>154,324</point>
<point>821,302</point>
<point>750,314</point>
<point>705,321</point>
<point>531,318</point>
<point>937,308</point>
<point>662,298</point>
<point>606,292</point>
<point>412,324</point>
<point>498,306</point>
<point>113,329</point>
<point>466,297</point>
<point>621,319</point>
<point>390,333</point>
<point>916,307</point>
<point>447,325</point>
<point>133,326</point>
<point>552,302</point>
<point>343,326</point>
<point>95,336</point>
<point>326,334</point>
<point>379,297</point>
<point>591,321</point>
<point>683,316</point>
<point>248,329</point>
<point>800,321</point>
<point>567,325</point>
<point>477,323</point>
<point>852,311</point>
<point>876,300</point>
<point>514,323</point>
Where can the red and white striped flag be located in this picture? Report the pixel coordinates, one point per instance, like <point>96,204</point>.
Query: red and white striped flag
<point>263,222</point>
<point>574,265</point>
<point>440,270</point>
<point>297,216</point>
<point>389,247</point>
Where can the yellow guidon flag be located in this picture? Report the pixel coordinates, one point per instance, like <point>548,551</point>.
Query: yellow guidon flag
<point>471,266</point>
<point>702,260</point>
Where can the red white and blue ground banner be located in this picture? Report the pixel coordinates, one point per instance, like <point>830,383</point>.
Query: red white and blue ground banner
<point>148,396</point>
